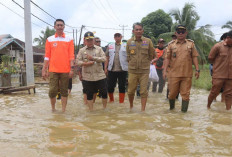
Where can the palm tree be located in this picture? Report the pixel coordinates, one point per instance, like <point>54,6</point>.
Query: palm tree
<point>188,17</point>
<point>203,36</point>
<point>228,25</point>
<point>42,39</point>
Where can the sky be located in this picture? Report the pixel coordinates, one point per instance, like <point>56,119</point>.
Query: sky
<point>105,17</point>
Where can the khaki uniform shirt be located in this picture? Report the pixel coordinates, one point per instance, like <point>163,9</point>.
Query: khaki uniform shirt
<point>180,57</point>
<point>221,58</point>
<point>93,72</point>
<point>139,55</point>
<point>116,65</point>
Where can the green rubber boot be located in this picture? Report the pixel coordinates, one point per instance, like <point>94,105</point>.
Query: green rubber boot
<point>184,107</point>
<point>172,104</point>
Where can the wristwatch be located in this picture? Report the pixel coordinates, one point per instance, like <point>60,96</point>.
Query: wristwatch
<point>198,71</point>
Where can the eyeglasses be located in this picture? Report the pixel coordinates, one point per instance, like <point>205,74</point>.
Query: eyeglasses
<point>98,41</point>
<point>61,25</point>
<point>180,31</point>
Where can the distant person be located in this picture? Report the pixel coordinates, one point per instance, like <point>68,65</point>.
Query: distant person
<point>140,52</point>
<point>220,57</point>
<point>91,58</point>
<point>59,57</point>
<point>181,54</point>
<point>116,66</point>
<point>160,52</point>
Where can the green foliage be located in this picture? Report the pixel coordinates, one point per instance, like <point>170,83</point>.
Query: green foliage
<point>156,23</point>
<point>42,39</point>
<point>228,25</point>
<point>204,81</point>
<point>188,17</point>
<point>7,67</point>
<point>203,36</point>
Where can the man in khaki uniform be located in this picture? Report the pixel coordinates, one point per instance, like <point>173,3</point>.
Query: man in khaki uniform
<point>220,57</point>
<point>140,52</point>
<point>90,58</point>
<point>180,55</point>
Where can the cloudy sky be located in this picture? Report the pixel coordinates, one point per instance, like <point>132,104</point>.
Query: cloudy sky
<point>108,16</point>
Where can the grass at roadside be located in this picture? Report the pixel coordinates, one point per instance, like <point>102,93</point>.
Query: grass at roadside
<point>205,80</point>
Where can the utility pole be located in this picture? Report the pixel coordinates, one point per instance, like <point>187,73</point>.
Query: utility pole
<point>28,43</point>
<point>78,47</point>
<point>74,39</point>
<point>123,27</point>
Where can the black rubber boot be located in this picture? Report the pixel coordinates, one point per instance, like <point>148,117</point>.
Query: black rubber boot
<point>184,106</point>
<point>172,104</point>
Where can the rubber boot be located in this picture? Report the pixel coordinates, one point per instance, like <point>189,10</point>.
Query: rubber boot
<point>172,104</point>
<point>111,96</point>
<point>121,97</point>
<point>184,106</point>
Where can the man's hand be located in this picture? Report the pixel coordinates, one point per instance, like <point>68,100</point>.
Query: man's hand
<point>154,60</point>
<point>106,71</point>
<point>71,74</point>
<point>197,74</point>
<point>44,74</point>
<point>89,57</point>
<point>80,76</point>
<point>88,63</point>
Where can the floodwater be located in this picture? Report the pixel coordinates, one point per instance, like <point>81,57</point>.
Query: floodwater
<point>28,128</point>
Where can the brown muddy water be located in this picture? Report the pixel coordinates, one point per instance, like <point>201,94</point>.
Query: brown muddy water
<point>28,128</point>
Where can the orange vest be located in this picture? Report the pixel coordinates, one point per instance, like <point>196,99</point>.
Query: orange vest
<point>159,54</point>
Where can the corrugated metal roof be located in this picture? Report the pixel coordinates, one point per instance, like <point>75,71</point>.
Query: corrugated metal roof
<point>7,39</point>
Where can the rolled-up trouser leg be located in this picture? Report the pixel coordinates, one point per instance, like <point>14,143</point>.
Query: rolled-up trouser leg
<point>143,81</point>
<point>132,83</point>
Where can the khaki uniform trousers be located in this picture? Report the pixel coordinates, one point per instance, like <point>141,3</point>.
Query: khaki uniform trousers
<point>134,80</point>
<point>180,85</point>
<point>226,84</point>
<point>58,81</point>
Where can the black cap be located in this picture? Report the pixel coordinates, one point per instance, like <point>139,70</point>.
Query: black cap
<point>180,27</point>
<point>89,35</point>
<point>117,34</point>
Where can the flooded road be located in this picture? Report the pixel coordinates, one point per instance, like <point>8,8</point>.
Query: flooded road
<point>29,129</point>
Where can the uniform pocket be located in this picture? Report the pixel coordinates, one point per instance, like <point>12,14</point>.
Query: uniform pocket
<point>132,65</point>
<point>145,65</point>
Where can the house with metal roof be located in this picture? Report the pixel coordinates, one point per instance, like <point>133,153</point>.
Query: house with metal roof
<point>15,48</point>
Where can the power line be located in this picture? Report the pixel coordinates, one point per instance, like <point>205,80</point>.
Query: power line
<point>112,10</point>
<point>107,11</point>
<point>106,28</point>
<point>37,17</point>
<point>50,14</point>
<point>20,15</point>
<point>104,12</point>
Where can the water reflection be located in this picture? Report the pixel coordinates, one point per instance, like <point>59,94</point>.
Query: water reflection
<point>28,128</point>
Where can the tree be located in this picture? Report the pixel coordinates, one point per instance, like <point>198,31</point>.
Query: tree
<point>42,39</point>
<point>156,23</point>
<point>203,36</point>
<point>228,25</point>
